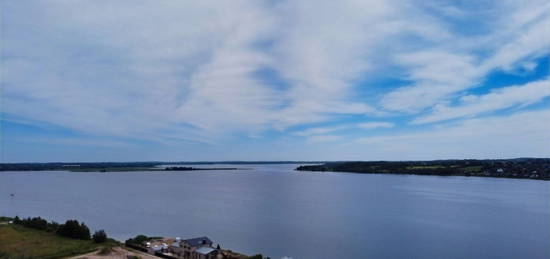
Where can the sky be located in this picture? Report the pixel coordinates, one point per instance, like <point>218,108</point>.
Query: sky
<point>143,80</point>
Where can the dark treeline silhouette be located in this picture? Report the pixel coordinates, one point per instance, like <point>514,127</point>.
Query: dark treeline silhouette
<point>531,168</point>
<point>70,166</point>
<point>37,223</point>
<point>99,236</point>
<point>138,240</point>
<point>74,229</point>
<point>71,228</point>
<point>179,168</point>
<point>102,165</point>
<point>185,168</point>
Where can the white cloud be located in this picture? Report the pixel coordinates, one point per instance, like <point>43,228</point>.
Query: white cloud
<point>324,130</point>
<point>188,70</point>
<point>498,99</point>
<point>528,37</point>
<point>374,125</point>
<point>524,133</point>
<point>323,138</point>
<point>435,74</point>
<point>319,130</point>
<point>127,69</point>
<point>142,70</point>
<point>452,66</point>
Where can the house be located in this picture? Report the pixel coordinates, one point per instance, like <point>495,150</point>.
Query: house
<point>194,248</point>
<point>158,245</point>
<point>206,253</point>
<point>198,242</point>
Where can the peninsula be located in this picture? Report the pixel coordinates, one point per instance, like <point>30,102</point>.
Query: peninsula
<point>526,168</point>
<point>133,166</point>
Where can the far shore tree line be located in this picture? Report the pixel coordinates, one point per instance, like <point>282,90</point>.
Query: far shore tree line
<point>527,168</point>
<point>71,228</point>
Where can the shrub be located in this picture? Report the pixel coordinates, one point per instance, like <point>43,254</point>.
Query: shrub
<point>99,236</point>
<point>36,223</point>
<point>138,240</point>
<point>74,229</point>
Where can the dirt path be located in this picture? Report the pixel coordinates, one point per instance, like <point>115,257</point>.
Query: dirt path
<point>117,253</point>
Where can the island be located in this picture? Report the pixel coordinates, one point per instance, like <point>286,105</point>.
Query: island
<point>525,168</point>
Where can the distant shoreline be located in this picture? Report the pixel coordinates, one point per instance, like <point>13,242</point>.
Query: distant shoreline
<point>131,166</point>
<point>521,168</point>
<point>128,169</point>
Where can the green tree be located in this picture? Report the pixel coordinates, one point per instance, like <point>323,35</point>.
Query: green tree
<point>100,236</point>
<point>138,240</point>
<point>17,220</point>
<point>74,229</point>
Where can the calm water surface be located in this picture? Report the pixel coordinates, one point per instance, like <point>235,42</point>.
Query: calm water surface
<point>276,211</point>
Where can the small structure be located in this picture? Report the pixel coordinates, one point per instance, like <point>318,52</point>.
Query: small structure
<point>206,253</point>
<point>194,248</point>
<point>158,245</point>
<point>198,242</point>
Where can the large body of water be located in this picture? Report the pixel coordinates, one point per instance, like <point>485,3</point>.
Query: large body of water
<point>278,212</point>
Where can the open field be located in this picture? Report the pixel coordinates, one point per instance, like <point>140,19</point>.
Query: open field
<point>21,242</point>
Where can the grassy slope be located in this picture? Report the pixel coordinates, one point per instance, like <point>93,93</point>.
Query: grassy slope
<point>22,242</point>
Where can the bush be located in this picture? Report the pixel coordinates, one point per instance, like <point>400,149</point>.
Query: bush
<point>2,219</point>
<point>36,223</point>
<point>71,228</point>
<point>17,220</point>
<point>74,229</point>
<point>138,240</point>
<point>99,236</point>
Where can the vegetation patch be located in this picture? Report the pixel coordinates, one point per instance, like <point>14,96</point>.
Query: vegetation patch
<point>17,241</point>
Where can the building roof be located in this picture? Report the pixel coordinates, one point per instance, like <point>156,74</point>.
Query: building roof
<point>198,241</point>
<point>205,250</point>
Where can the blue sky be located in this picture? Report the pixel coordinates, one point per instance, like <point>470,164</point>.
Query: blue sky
<point>274,80</point>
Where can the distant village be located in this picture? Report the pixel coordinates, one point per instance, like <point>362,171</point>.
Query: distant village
<point>177,248</point>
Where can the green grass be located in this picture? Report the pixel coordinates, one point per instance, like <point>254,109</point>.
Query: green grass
<point>21,242</point>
